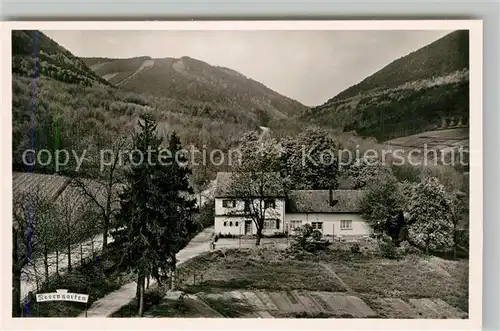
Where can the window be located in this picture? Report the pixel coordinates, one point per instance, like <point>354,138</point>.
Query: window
<point>295,224</point>
<point>228,203</point>
<point>317,225</point>
<point>236,223</point>
<point>270,204</point>
<point>225,223</point>
<point>271,224</point>
<point>345,225</point>
<point>230,223</point>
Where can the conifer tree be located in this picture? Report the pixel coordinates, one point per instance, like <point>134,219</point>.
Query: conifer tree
<point>155,207</point>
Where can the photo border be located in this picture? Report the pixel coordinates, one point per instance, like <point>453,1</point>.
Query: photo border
<point>476,177</point>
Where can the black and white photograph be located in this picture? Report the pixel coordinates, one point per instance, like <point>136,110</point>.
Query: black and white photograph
<point>201,173</point>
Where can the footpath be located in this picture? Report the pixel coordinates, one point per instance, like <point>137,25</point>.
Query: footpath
<point>112,302</point>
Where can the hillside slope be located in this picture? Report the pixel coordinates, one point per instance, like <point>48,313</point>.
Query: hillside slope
<point>75,109</point>
<point>186,78</point>
<point>410,95</point>
<point>53,60</point>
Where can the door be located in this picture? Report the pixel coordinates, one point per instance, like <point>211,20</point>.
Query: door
<point>248,227</point>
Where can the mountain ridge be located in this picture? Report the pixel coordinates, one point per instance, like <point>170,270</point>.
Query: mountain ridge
<point>410,95</point>
<point>189,78</point>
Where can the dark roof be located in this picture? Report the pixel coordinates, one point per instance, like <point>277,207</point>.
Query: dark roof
<point>224,187</point>
<point>318,201</point>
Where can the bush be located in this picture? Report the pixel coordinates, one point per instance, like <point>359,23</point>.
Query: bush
<point>355,248</point>
<point>276,235</point>
<point>406,248</point>
<point>227,236</point>
<point>388,249</point>
<point>309,240</point>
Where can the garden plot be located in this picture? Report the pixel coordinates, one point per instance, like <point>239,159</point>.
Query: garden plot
<point>335,304</point>
<point>432,308</point>
<point>346,305</point>
<point>394,308</point>
<point>307,302</point>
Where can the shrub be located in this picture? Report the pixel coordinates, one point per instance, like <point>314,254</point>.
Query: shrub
<point>309,240</point>
<point>388,249</point>
<point>406,248</point>
<point>355,248</point>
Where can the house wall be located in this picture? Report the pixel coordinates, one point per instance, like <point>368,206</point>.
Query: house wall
<point>331,223</point>
<point>226,218</point>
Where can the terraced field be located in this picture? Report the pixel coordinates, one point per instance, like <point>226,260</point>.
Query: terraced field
<point>297,303</point>
<point>268,282</point>
<point>437,139</point>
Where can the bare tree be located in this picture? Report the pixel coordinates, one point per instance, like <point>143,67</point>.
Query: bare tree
<point>103,189</point>
<point>32,234</point>
<point>259,192</point>
<point>256,181</point>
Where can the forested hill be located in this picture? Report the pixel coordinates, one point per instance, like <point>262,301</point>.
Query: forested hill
<point>76,109</point>
<point>410,95</point>
<point>187,79</point>
<point>54,61</point>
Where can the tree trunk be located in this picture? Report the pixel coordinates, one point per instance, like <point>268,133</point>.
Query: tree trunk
<point>16,292</point>
<point>259,236</point>
<point>92,248</point>
<point>57,262</point>
<point>141,301</point>
<point>138,289</point>
<point>69,256</point>
<point>140,285</point>
<point>81,254</point>
<point>46,262</point>
<point>147,281</point>
<point>105,233</point>
<point>36,276</point>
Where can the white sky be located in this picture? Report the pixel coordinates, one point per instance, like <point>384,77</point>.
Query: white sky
<point>308,66</point>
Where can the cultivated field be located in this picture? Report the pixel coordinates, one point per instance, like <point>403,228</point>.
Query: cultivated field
<point>437,139</point>
<point>271,283</point>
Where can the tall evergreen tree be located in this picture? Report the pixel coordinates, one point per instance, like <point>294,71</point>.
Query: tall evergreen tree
<point>155,207</point>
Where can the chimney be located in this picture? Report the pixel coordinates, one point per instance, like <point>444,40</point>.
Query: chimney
<point>331,201</point>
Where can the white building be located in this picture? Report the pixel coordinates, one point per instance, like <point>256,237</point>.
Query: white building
<point>333,212</point>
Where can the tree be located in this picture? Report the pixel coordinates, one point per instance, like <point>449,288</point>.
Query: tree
<point>103,189</point>
<point>366,170</point>
<point>155,207</point>
<point>31,233</point>
<point>309,161</point>
<point>201,180</point>
<point>382,204</point>
<point>308,239</point>
<point>256,183</point>
<point>459,219</point>
<point>430,210</point>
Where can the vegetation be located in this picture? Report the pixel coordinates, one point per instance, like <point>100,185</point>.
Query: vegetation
<point>155,215</point>
<point>309,240</point>
<point>52,60</point>
<point>410,95</point>
<point>370,275</point>
<point>190,79</point>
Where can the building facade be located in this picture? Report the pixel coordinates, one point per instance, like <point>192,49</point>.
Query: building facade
<point>334,213</point>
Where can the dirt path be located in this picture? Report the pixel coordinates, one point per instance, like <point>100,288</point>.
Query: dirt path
<point>330,270</point>
<point>114,301</point>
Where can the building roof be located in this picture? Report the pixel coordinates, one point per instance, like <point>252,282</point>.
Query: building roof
<point>318,201</point>
<point>226,187</point>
